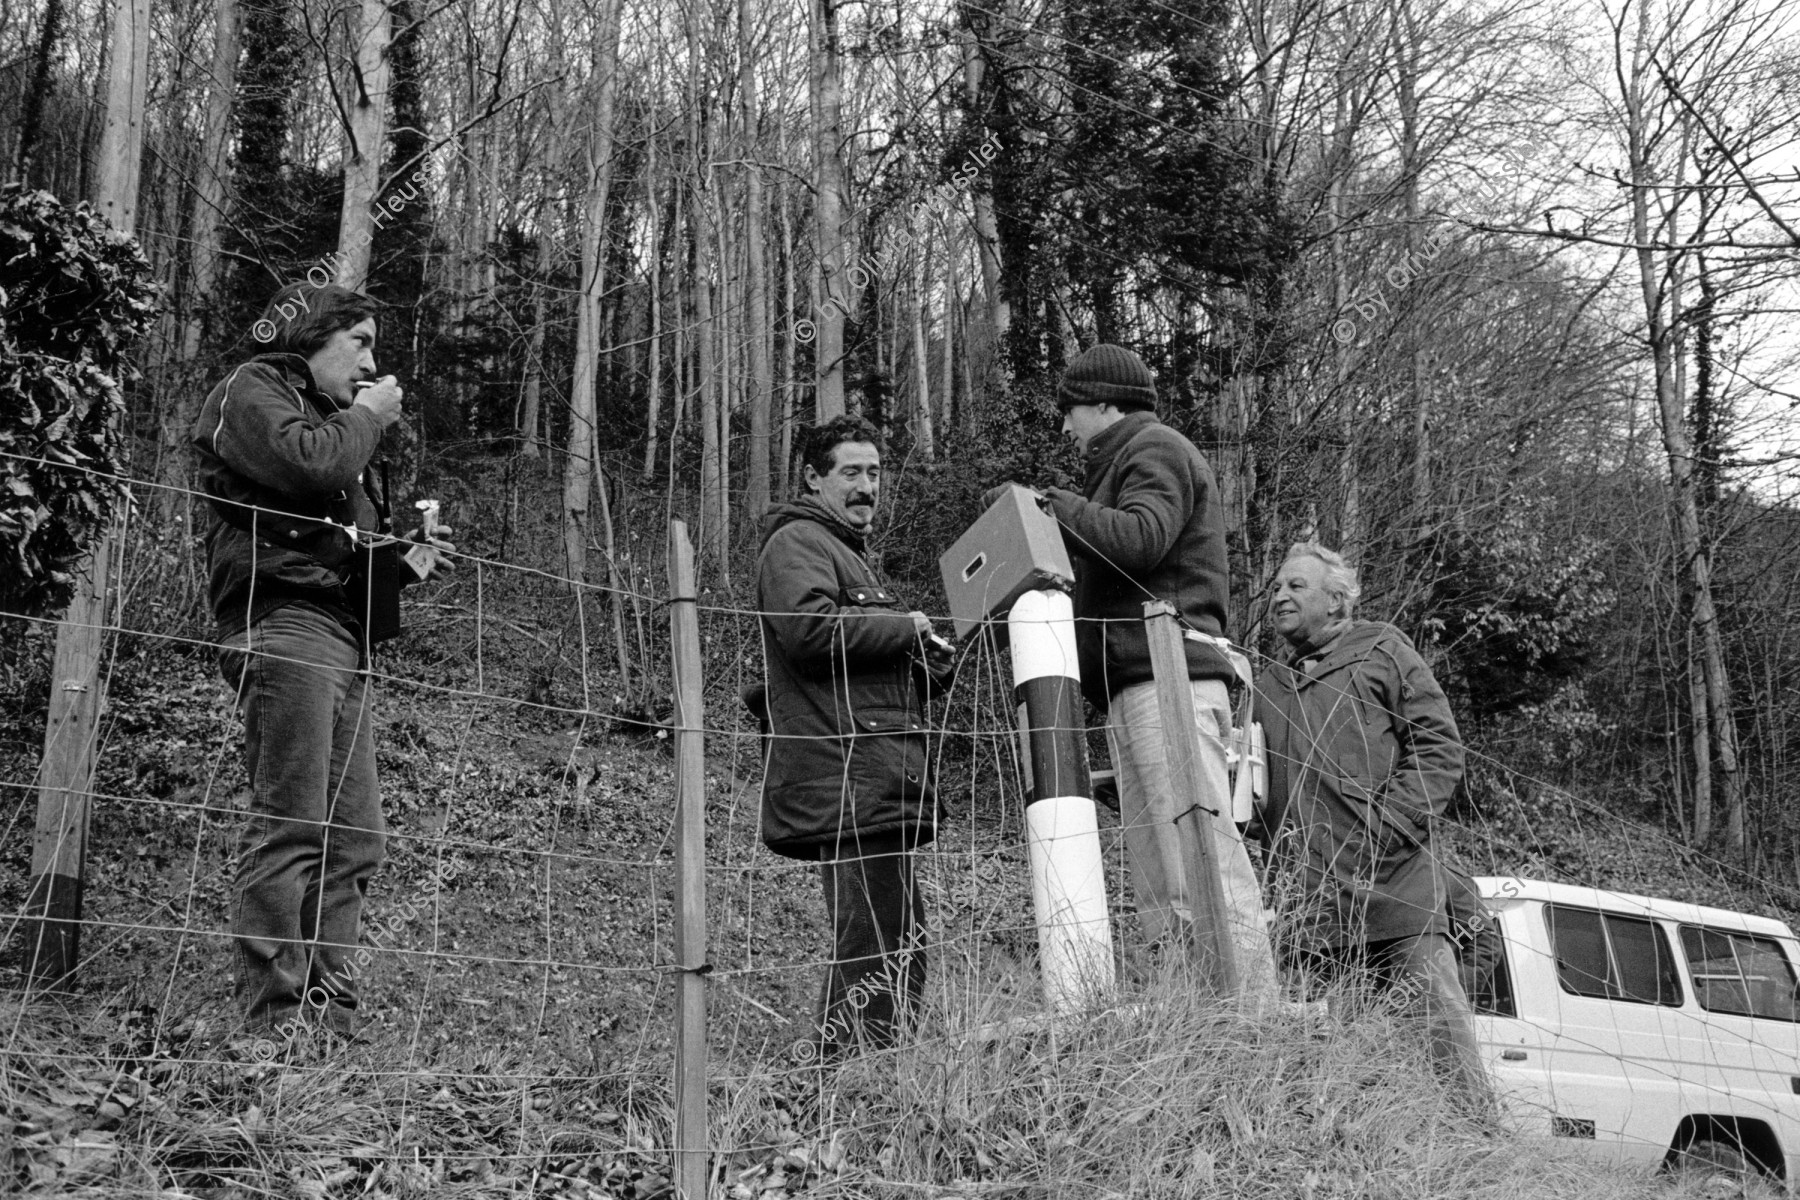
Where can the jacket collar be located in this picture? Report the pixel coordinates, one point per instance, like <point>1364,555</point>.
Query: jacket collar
<point>1108,442</point>
<point>811,508</point>
<point>299,373</point>
<point>1350,646</point>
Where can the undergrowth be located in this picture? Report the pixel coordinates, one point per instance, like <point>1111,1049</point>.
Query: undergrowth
<point>1168,1094</point>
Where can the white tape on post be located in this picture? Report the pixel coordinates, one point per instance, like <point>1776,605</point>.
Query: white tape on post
<point>1068,882</point>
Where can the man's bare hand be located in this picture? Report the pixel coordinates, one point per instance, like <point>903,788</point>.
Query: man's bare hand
<point>430,553</point>
<point>383,399</point>
<point>921,624</point>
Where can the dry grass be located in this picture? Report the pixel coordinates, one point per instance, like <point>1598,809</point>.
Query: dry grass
<point>1167,1096</point>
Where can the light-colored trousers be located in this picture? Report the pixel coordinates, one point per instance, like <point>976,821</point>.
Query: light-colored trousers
<point>1157,847</point>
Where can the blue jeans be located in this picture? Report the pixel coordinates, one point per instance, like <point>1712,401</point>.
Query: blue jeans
<point>314,835</point>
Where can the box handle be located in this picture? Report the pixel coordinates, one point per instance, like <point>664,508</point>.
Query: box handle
<point>975,564</point>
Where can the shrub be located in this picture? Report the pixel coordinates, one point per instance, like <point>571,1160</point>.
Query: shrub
<point>77,297</point>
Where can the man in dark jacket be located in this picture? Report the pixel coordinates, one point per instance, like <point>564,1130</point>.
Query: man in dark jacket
<point>847,783</point>
<point>283,443</point>
<point>1363,756</point>
<point>1149,527</point>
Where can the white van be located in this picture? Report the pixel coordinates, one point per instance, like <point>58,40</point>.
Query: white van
<point>1654,1032</point>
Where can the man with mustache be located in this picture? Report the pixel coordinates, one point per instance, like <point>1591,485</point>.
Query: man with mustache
<point>1363,756</point>
<point>847,783</point>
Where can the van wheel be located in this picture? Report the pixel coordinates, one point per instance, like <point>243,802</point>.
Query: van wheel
<point>1706,1158</point>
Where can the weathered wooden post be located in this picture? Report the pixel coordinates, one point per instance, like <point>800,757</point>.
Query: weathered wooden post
<point>1213,949</point>
<point>691,1148</point>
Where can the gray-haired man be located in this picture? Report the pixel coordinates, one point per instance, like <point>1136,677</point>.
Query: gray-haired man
<point>1363,757</point>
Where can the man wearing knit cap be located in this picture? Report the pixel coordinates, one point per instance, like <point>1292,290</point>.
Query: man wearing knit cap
<point>1149,528</point>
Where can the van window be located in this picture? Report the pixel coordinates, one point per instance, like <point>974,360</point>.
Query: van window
<point>1739,973</point>
<point>1612,957</point>
<point>1481,963</point>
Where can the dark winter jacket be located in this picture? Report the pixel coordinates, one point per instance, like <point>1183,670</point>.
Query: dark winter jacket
<point>1149,528</point>
<point>1363,756</point>
<point>847,751</point>
<point>283,464</point>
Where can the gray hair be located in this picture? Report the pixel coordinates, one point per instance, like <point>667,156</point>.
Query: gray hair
<point>1340,576</point>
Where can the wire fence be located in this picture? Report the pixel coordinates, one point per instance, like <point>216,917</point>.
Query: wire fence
<point>518,952</point>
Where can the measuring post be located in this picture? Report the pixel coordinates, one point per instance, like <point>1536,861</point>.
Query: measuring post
<point>1068,879</point>
<point>1012,561</point>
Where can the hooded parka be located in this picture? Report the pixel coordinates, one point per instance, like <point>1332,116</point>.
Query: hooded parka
<point>847,755</point>
<point>1363,756</point>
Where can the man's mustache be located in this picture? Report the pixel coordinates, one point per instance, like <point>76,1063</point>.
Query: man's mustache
<point>859,499</point>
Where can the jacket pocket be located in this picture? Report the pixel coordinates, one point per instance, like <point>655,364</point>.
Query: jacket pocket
<point>889,740</point>
<point>1390,832</point>
<point>868,595</point>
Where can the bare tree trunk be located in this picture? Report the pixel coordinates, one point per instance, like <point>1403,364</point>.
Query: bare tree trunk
<point>952,298</point>
<point>755,287</point>
<point>1406,63</point>
<point>616,593</point>
<point>653,402</point>
<point>532,401</point>
<point>987,231</point>
<point>366,134</point>
<point>66,774</point>
<point>712,480</point>
<point>37,91</point>
<point>1700,739</point>
<point>682,288</point>
<point>578,466</point>
<point>210,187</point>
<point>784,457</point>
<point>924,432</point>
<point>730,310</point>
<point>1350,523</point>
<point>1661,284</point>
<point>531,412</point>
<point>122,140</point>
<point>828,206</point>
<point>204,275</point>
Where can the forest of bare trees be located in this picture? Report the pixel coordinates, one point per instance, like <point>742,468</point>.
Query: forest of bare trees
<point>1493,295</point>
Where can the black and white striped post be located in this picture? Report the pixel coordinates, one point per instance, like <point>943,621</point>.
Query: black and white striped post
<point>1068,884</point>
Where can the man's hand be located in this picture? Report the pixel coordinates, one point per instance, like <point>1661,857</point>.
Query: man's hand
<point>382,398</point>
<point>993,494</point>
<point>938,652</point>
<point>430,554</point>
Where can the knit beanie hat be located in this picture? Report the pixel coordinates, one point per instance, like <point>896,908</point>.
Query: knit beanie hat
<point>1107,374</point>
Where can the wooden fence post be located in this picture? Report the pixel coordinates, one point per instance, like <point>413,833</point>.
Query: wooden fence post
<point>51,932</point>
<point>1181,741</point>
<point>53,939</point>
<point>691,1149</point>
